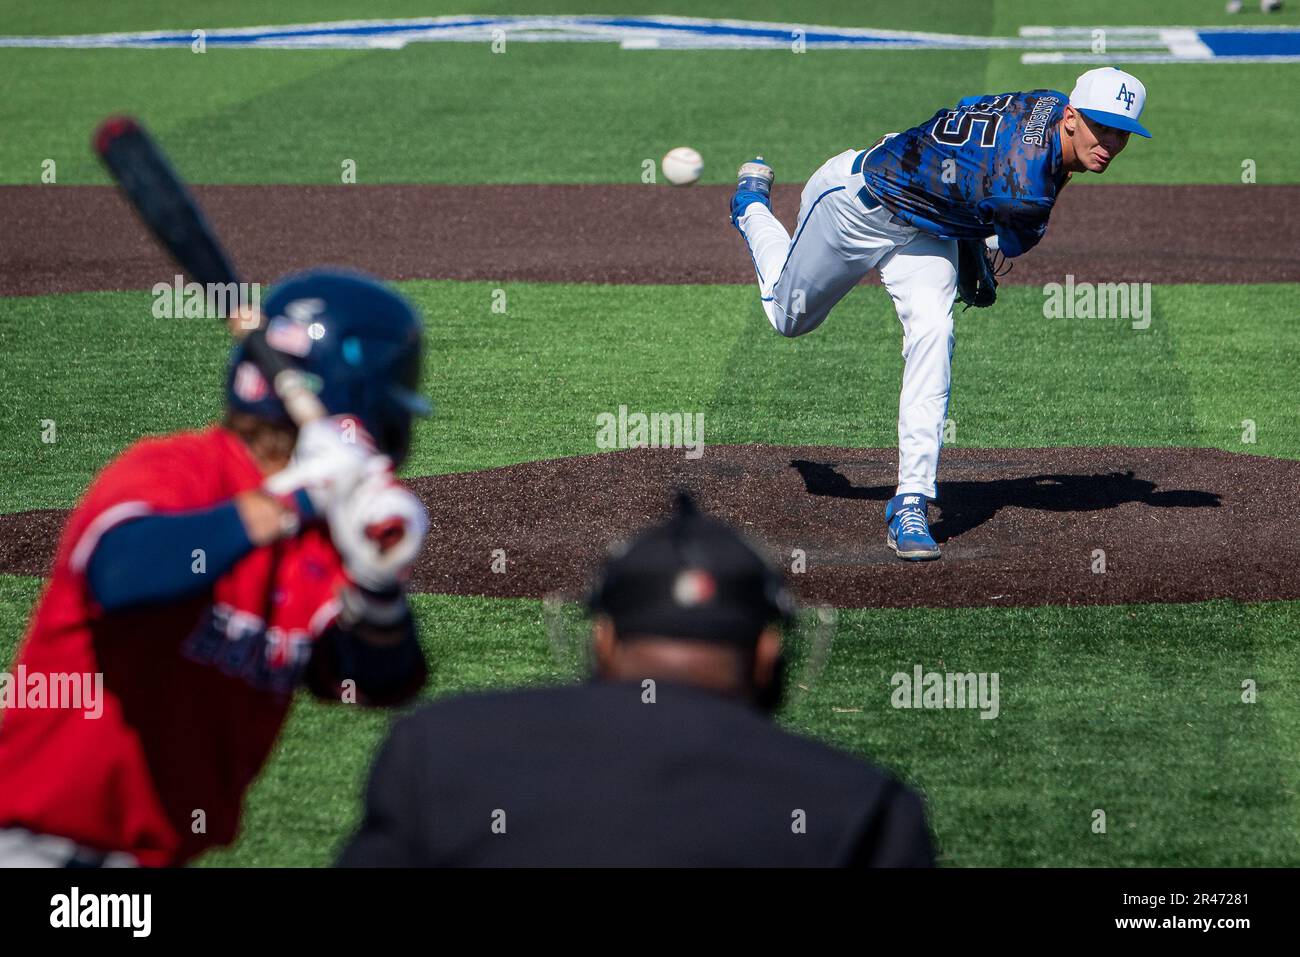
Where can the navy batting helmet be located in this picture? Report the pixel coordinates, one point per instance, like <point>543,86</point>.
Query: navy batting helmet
<point>358,343</point>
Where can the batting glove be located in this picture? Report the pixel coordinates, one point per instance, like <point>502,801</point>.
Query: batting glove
<point>331,457</point>
<point>378,529</point>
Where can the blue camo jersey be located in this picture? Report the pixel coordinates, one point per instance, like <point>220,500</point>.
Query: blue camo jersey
<point>990,166</point>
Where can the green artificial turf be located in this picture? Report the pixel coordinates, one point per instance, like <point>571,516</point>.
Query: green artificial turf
<point>530,383</point>
<point>1133,710</point>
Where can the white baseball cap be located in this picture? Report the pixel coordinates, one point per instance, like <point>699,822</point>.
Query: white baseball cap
<point>1112,98</point>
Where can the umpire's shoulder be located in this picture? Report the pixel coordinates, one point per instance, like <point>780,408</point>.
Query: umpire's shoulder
<point>836,765</point>
<point>612,715</point>
<point>884,819</point>
<point>475,713</point>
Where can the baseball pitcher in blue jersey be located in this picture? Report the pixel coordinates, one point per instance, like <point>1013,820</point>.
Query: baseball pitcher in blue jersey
<point>982,175</point>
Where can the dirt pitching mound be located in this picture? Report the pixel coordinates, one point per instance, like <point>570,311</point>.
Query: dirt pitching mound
<point>1018,526</point>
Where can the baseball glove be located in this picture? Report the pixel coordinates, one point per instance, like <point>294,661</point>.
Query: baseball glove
<point>977,278</point>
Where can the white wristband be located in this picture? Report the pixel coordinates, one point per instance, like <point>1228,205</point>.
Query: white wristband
<point>358,606</point>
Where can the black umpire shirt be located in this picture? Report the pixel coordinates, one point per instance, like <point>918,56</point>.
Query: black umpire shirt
<point>594,775</point>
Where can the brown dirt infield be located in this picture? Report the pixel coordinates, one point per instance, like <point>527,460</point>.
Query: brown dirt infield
<point>1019,526</point>
<point>79,238</point>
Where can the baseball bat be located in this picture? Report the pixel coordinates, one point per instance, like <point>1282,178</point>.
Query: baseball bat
<point>169,211</point>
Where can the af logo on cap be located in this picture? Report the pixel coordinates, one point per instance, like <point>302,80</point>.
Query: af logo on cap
<point>1097,91</point>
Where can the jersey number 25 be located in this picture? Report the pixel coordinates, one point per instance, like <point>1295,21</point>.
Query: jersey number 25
<point>956,126</point>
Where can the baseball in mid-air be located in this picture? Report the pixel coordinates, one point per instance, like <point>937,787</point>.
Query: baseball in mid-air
<point>682,166</point>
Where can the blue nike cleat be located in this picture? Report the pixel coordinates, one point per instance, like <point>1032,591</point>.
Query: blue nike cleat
<point>909,528</point>
<point>753,185</point>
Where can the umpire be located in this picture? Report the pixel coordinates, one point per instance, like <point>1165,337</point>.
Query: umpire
<point>668,758</point>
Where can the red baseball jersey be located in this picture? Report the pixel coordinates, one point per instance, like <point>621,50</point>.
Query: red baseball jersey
<point>194,692</point>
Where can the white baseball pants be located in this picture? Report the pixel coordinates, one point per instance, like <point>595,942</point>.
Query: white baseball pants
<point>838,240</point>
<point>22,848</point>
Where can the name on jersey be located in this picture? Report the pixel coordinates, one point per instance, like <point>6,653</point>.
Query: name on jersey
<point>238,643</point>
<point>1035,133</point>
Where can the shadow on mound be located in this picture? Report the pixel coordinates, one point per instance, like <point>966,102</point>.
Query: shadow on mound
<point>1018,526</point>
<point>968,504</point>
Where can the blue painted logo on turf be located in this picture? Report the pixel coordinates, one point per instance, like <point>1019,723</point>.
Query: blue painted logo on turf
<point>1039,44</point>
